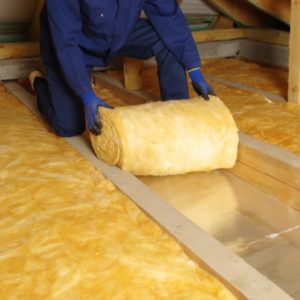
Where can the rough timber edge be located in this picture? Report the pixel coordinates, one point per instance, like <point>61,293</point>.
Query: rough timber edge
<point>279,9</point>
<point>244,281</point>
<point>243,12</point>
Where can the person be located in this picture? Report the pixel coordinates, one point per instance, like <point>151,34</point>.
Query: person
<point>77,35</point>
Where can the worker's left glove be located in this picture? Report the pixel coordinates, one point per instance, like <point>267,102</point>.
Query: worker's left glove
<point>201,87</point>
<point>91,103</point>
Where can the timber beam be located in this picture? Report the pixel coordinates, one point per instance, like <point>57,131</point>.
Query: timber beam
<point>294,61</point>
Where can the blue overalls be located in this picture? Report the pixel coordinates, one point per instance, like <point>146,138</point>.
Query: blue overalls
<point>77,35</point>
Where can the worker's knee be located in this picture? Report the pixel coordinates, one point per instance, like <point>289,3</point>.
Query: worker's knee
<point>68,132</point>
<point>67,128</point>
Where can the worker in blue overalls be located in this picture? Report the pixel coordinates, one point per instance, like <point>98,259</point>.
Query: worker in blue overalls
<point>77,35</point>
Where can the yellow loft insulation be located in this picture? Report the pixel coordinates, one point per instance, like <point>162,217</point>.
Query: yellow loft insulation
<point>273,122</point>
<point>252,74</point>
<point>168,138</point>
<point>67,233</point>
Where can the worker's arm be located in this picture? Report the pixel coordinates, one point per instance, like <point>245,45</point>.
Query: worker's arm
<point>169,23</point>
<point>65,25</point>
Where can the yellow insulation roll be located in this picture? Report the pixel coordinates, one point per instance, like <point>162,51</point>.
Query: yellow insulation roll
<point>168,138</point>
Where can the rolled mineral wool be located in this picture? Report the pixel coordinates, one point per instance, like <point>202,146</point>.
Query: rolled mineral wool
<point>167,138</point>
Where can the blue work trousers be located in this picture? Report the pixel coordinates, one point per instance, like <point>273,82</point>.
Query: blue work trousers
<point>64,110</point>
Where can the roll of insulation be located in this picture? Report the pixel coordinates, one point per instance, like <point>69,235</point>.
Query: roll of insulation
<point>168,138</point>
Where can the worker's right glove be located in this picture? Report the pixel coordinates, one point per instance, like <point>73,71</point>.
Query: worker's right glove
<point>91,103</point>
<point>201,87</point>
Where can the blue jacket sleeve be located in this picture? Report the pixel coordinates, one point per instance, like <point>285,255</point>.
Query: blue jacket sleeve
<point>65,25</point>
<point>169,23</point>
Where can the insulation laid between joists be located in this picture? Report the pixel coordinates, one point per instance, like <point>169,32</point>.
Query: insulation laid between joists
<point>67,232</point>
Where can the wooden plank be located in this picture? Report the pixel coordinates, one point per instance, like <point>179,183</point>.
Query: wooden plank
<point>234,272</point>
<point>268,184</point>
<point>218,35</point>
<point>34,30</point>
<point>130,97</point>
<point>133,68</point>
<point>270,168</point>
<point>19,50</point>
<point>294,61</point>
<point>243,12</point>
<point>271,36</point>
<point>280,9</point>
<point>222,22</point>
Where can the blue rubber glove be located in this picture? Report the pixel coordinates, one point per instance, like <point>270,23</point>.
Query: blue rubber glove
<point>201,87</point>
<point>91,103</point>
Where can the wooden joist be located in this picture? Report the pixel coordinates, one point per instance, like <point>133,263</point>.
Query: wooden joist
<point>271,169</point>
<point>280,9</point>
<point>132,73</point>
<point>271,36</point>
<point>218,35</point>
<point>294,62</point>
<point>19,50</point>
<point>132,97</point>
<point>222,22</point>
<point>243,12</point>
